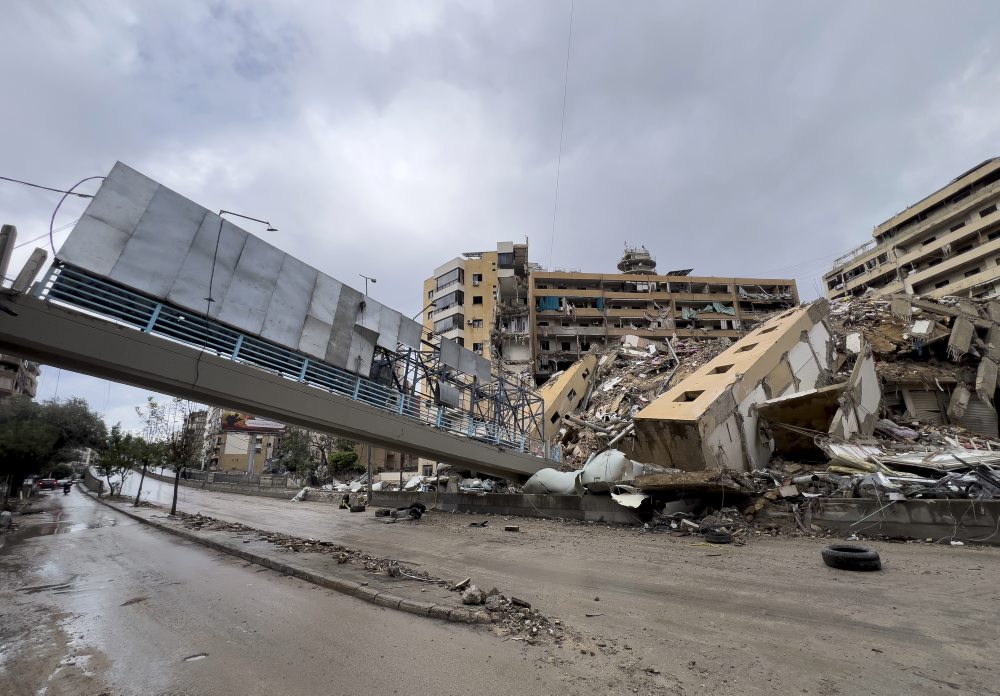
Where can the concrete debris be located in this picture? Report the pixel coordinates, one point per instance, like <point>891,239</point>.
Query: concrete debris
<point>472,595</point>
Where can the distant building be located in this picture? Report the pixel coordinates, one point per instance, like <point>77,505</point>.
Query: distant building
<point>18,376</point>
<point>572,313</point>
<point>945,244</point>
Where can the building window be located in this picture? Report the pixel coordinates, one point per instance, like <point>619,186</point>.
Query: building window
<point>565,345</point>
<point>993,235</point>
<point>452,276</point>
<point>455,321</point>
<point>544,345</point>
<point>428,469</point>
<point>505,260</point>
<point>449,300</point>
<point>956,227</point>
<point>477,323</point>
<point>477,299</point>
<point>430,294</point>
<point>941,284</point>
<point>928,241</point>
<point>477,347</point>
<point>477,278</point>
<point>989,210</point>
<point>974,271</point>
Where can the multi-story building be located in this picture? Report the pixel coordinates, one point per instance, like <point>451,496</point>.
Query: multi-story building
<point>17,376</point>
<point>479,299</point>
<point>945,244</point>
<point>571,313</point>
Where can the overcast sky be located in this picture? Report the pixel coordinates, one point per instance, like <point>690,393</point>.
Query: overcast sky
<point>739,138</point>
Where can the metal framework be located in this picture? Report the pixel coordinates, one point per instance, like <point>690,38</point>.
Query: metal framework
<point>407,382</point>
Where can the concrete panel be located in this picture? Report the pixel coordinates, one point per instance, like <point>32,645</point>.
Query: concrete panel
<point>252,286</point>
<point>388,328</point>
<point>450,353</point>
<point>723,447</point>
<point>191,287</point>
<point>93,246</point>
<point>122,199</point>
<point>409,333</point>
<point>339,349</point>
<point>369,316</point>
<point>819,338</point>
<point>8,240</point>
<point>758,451</point>
<point>804,367</point>
<point>153,255</point>
<point>359,359</point>
<point>286,314</point>
<point>315,338</point>
<point>26,275</point>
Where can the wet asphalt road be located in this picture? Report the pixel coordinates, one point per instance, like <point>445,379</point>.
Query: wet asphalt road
<point>95,603</point>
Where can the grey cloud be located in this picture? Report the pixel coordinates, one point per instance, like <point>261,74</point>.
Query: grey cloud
<point>735,138</point>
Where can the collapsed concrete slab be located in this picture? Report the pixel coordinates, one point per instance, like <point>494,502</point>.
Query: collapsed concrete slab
<point>707,421</point>
<point>565,392</point>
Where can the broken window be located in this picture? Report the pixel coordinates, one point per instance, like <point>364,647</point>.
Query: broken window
<point>972,272</point>
<point>544,345</point>
<point>941,284</point>
<point>565,345</point>
<point>477,278</point>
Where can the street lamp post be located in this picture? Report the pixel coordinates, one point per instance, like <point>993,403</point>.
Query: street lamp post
<point>367,278</point>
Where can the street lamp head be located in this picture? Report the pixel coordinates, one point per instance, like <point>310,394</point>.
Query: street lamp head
<point>271,228</point>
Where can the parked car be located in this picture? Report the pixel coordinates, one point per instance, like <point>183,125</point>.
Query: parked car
<point>47,484</point>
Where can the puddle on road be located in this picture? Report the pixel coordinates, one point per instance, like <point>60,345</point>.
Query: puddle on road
<point>35,589</point>
<point>195,658</point>
<point>63,527</point>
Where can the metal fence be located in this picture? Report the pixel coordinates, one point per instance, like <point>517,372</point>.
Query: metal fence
<point>110,300</point>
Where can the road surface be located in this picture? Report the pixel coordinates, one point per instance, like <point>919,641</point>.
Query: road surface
<point>95,603</point>
<point>767,617</point>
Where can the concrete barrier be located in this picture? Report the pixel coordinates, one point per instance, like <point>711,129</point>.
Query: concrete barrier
<point>243,489</point>
<point>968,521</point>
<point>588,508</point>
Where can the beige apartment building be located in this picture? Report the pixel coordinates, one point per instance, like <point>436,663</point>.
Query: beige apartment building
<point>945,244</point>
<point>480,300</point>
<point>18,376</point>
<point>572,313</point>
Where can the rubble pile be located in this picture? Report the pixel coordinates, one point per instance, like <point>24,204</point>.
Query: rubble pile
<point>628,377</point>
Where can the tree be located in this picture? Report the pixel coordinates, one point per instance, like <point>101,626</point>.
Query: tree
<point>34,436</point>
<point>344,460</point>
<point>116,461</point>
<point>182,445</point>
<point>294,451</point>
<point>150,451</point>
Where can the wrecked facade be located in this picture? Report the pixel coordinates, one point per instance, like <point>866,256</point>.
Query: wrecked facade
<point>573,313</point>
<point>945,244</point>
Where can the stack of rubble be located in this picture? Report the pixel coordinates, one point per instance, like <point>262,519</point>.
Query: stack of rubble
<point>628,377</point>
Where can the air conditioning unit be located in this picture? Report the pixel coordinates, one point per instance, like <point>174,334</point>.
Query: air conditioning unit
<point>469,322</point>
<point>475,283</point>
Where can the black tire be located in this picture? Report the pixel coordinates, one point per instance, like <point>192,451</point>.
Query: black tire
<point>715,536</point>
<point>357,508</point>
<point>850,557</point>
<point>419,506</point>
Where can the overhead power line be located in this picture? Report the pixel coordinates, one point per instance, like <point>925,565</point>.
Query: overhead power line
<point>562,129</point>
<point>46,188</point>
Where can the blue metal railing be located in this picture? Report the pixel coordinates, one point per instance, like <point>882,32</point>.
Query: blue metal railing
<point>70,286</point>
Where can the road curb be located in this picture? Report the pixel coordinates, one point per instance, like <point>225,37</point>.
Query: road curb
<point>347,587</point>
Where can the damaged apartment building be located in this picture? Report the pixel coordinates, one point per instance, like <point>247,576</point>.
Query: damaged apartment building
<point>572,313</point>
<point>480,300</point>
<point>945,244</point>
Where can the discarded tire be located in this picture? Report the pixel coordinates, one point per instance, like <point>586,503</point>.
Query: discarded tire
<point>849,557</point>
<point>418,506</point>
<point>715,536</point>
<point>357,508</point>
